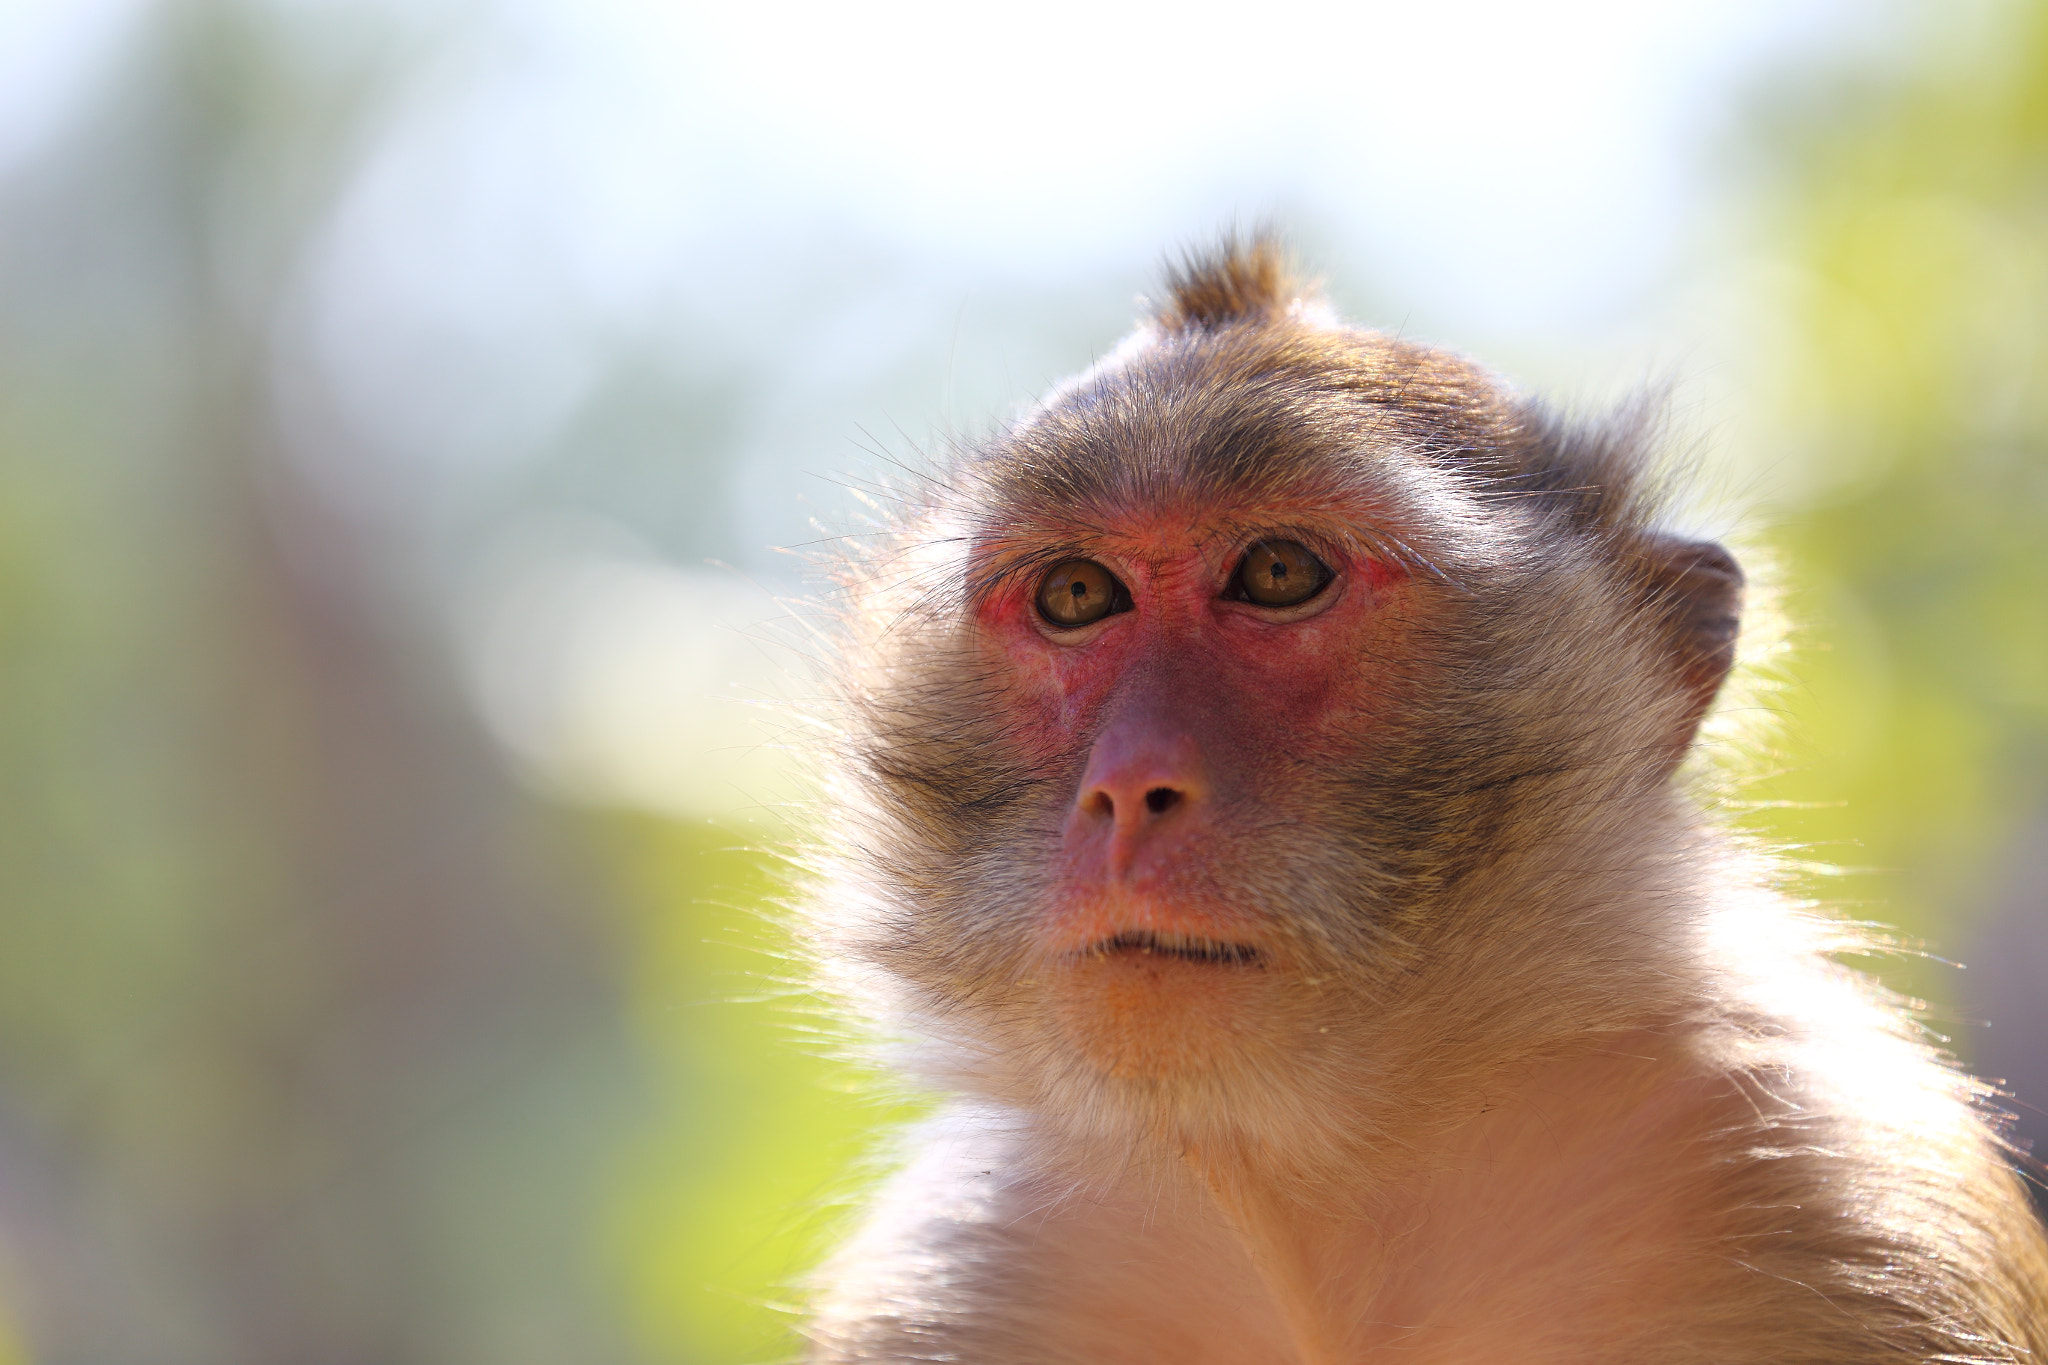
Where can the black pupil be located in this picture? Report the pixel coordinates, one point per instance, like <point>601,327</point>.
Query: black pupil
<point>1079,589</point>
<point>1279,569</point>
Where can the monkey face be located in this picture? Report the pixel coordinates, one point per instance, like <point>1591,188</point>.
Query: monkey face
<point>1200,720</point>
<point>1178,711</point>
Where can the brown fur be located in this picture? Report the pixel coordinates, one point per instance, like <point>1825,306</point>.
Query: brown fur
<point>1244,282</point>
<point>1560,1076</point>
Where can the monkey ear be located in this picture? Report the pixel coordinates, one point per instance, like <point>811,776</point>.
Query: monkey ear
<point>1695,587</point>
<point>1238,280</point>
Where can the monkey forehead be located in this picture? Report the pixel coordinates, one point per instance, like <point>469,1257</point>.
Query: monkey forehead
<point>1251,415</point>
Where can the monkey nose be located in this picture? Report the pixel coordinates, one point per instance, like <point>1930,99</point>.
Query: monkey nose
<point>1140,785</point>
<point>1102,802</point>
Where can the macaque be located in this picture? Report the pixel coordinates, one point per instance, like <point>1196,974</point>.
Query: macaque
<point>1261,806</point>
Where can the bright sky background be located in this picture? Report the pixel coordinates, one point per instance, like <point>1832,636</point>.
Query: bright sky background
<point>1518,163</point>
<point>1504,172</point>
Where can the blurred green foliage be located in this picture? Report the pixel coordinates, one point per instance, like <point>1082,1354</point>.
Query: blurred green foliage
<point>716,1223</point>
<point>308,1048</point>
<point>1906,400</point>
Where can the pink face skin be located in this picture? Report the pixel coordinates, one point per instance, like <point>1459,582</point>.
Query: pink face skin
<point>1191,703</point>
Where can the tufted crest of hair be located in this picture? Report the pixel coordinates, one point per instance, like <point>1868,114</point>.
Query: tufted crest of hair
<point>1241,279</point>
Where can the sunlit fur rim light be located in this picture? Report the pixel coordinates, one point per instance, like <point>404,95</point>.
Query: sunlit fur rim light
<point>1625,906</point>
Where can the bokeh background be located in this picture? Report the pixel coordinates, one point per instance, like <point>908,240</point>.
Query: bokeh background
<point>404,409</point>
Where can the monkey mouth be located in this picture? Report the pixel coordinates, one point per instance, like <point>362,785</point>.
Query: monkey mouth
<point>1186,947</point>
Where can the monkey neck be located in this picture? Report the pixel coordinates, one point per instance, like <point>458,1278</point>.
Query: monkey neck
<point>1288,1246</point>
<point>1339,1256</point>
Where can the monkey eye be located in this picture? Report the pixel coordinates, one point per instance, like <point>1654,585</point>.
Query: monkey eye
<point>1078,592</point>
<point>1279,573</point>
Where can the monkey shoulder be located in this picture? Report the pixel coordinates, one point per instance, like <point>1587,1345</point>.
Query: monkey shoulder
<point>980,1250</point>
<point>1858,1202</point>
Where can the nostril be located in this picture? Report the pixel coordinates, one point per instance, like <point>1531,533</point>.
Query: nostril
<point>1161,800</point>
<point>1103,804</point>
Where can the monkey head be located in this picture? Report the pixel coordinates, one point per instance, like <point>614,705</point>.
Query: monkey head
<point>1262,690</point>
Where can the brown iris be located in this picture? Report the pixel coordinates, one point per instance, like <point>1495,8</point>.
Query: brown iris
<point>1280,573</point>
<point>1078,592</point>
